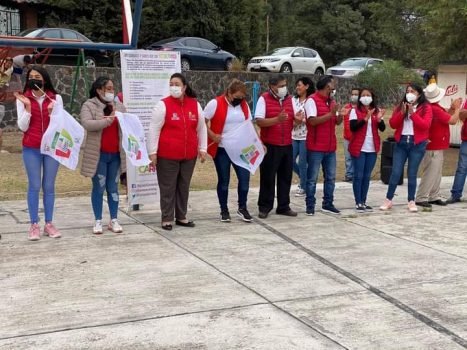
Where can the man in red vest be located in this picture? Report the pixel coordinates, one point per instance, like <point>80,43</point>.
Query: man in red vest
<point>322,117</point>
<point>274,115</point>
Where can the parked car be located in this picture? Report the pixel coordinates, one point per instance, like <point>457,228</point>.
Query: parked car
<point>350,67</point>
<point>196,53</point>
<point>92,58</point>
<point>288,60</point>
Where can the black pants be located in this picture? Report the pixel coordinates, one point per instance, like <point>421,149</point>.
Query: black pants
<point>277,161</point>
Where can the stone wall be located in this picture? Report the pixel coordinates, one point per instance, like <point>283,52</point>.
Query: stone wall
<point>206,84</point>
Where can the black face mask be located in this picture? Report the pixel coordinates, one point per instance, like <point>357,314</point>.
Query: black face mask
<point>35,84</point>
<point>236,101</point>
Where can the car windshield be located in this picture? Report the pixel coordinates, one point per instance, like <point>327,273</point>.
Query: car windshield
<point>281,51</point>
<point>30,34</point>
<point>353,62</point>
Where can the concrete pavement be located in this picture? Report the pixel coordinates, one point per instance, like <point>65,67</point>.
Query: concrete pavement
<point>356,281</point>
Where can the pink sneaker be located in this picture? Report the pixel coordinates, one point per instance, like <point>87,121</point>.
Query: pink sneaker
<point>34,233</point>
<point>386,205</point>
<point>51,231</point>
<point>412,207</point>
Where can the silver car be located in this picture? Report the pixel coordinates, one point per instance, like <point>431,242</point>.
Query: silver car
<point>288,60</point>
<point>350,67</point>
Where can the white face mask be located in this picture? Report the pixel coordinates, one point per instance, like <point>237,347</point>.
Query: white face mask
<point>410,97</point>
<point>282,92</point>
<point>354,99</point>
<point>333,93</point>
<point>109,97</point>
<point>366,100</point>
<point>176,91</point>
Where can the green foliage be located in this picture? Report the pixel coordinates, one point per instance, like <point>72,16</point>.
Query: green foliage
<point>387,80</point>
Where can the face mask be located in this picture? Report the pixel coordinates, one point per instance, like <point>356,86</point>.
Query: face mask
<point>353,99</point>
<point>282,92</point>
<point>236,101</point>
<point>366,100</point>
<point>410,97</point>
<point>333,93</point>
<point>33,82</point>
<point>176,91</point>
<point>109,96</point>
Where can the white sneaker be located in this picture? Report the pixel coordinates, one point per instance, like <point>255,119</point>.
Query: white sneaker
<point>114,226</point>
<point>386,205</point>
<point>412,207</point>
<point>300,193</point>
<point>97,229</point>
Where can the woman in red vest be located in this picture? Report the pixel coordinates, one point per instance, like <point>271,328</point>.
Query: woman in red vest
<point>411,121</point>
<point>223,114</point>
<point>34,107</point>
<point>177,136</point>
<point>365,121</point>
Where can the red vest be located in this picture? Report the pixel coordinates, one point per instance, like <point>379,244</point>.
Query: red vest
<point>439,129</point>
<point>179,138</point>
<point>322,137</point>
<point>421,122</point>
<point>39,121</point>
<point>347,133</point>
<point>358,137</point>
<point>279,134</point>
<point>218,121</point>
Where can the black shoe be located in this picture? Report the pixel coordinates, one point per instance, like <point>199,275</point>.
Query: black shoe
<point>289,212</point>
<point>438,202</point>
<point>310,211</point>
<point>360,208</point>
<point>225,216</point>
<point>244,215</point>
<point>167,227</point>
<point>263,215</point>
<point>423,204</point>
<point>453,200</point>
<point>367,207</point>
<point>185,224</point>
<point>348,179</point>
<point>331,209</point>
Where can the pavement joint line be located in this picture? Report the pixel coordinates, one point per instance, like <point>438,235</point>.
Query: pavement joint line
<point>376,291</point>
<point>403,239</point>
<point>130,321</point>
<point>268,302</point>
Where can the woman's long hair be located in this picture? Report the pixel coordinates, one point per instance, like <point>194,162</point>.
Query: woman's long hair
<point>188,91</point>
<point>421,101</point>
<point>45,75</point>
<point>306,81</point>
<point>372,105</point>
<point>98,84</point>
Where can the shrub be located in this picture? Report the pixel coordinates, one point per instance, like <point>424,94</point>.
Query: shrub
<point>237,65</point>
<point>388,80</point>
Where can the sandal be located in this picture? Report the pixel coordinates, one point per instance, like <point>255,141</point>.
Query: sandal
<point>167,227</point>
<point>186,224</point>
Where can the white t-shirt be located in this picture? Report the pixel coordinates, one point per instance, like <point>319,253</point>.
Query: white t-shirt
<point>368,144</point>
<point>299,131</point>
<point>233,119</point>
<point>310,108</point>
<point>260,111</point>
<point>408,124</point>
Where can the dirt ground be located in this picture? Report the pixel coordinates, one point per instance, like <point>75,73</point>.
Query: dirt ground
<point>13,181</point>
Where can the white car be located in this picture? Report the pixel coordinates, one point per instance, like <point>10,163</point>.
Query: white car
<point>350,67</point>
<point>288,60</point>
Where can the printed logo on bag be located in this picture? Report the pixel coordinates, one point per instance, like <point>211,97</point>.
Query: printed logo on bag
<point>134,147</point>
<point>62,144</point>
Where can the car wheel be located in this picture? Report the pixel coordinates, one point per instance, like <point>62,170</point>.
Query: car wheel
<point>185,63</point>
<point>228,64</point>
<point>286,68</point>
<point>319,71</point>
<point>90,62</point>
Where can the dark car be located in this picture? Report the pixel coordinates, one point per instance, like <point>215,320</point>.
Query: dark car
<point>92,58</point>
<point>196,53</point>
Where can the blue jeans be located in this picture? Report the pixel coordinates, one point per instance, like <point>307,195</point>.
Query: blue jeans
<point>299,149</point>
<point>41,170</point>
<point>222,163</point>
<point>106,179</point>
<point>328,161</point>
<point>405,150</point>
<point>362,167</point>
<point>349,167</point>
<point>461,172</point>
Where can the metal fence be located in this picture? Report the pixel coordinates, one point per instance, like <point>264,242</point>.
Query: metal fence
<point>10,22</point>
